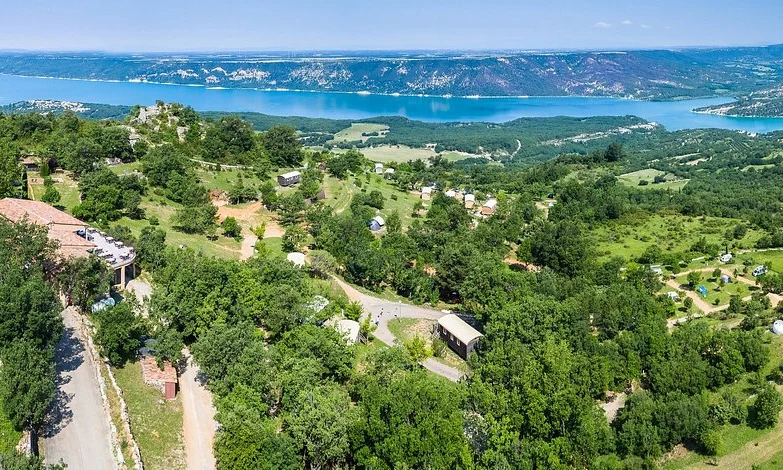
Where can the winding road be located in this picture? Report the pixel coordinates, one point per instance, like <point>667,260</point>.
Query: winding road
<point>79,429</point>
<point>382,311</point>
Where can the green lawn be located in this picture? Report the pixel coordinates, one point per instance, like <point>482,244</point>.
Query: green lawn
<point>339,194</point>
<point>222,247</point>
<point>649,174</point>
<point>9,437</point>
<point>67,187</point>
<point>396,153</point>
<point>354,133</point>
<point>630,236</point>
<point>156,423</point>
<point>225,179</point>
<point>773,259</point>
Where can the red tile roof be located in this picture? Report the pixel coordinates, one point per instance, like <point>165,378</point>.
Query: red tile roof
<point>37,212</point>
<point>62,227</point>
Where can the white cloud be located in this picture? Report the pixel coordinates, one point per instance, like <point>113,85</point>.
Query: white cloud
<point>645,26</point>
<point>602,24</point>
<point>627,22</point>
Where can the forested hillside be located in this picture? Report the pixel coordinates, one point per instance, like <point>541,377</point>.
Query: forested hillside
<point>586,359</point>
<point>653,74</point>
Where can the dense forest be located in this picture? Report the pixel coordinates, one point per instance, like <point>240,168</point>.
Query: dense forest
<point>558,338</point>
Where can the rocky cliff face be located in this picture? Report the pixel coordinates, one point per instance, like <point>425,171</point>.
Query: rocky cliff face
<point>632,74</point>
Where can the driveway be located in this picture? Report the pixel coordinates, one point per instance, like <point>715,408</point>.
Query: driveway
<point>382,311</point>
<point>198,418</point>
<point>78,432</point>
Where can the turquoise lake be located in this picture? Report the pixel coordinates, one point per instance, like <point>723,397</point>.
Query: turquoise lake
<point>673,115</point>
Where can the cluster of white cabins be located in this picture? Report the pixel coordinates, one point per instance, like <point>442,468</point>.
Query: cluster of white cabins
<point>467,199</point>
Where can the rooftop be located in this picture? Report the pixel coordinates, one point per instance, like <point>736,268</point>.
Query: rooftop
<point>291,174</point>
<point>457,327</point>
<point>74,237</point>
<point>36,212</point>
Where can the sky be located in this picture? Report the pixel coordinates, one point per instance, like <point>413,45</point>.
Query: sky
<point>247,25</point>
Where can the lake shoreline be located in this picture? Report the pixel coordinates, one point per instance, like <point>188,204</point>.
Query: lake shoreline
<point>673,115</point>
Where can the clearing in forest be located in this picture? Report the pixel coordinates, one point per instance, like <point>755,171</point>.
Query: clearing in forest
<point>361,131</point>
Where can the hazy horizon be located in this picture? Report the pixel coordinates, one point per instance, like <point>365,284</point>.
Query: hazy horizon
<point>151,26</point>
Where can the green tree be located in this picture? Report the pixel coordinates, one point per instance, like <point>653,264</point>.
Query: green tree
<point>766,408</point>
<point>293,238</point>
<point>231,228</point>
<point>85,278</point>
<point>51,196</point>
<point>283,146</point>
<point>320,425</point>
<point>694,277</point>
<point>27,384</point>
<point>417,349</point>
<point>151,248</point>
<point>119,333</point>
<point>410,420</point>
<point>353,311</point>
<point>394,223</point>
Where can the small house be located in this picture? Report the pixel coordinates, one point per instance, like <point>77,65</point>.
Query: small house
<point>388,173</point>
<point>287,179</point>
<point>376,223</point>
<point>298,259</point>
<point>379,168</point>
<point>460,336</point>
<point>726,258</point>
<point>164,379</point>
<point>426,193</point>
<point>760,270</point>
<point>451,193</point>
<point>470,201</point>
<point>489,207</point>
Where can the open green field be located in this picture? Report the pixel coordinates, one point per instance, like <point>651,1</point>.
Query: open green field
<point>125,168</point>
<point>630,236</point>
<point>67,187</point>
<point>156,423</point>
<point>224,180</point>
<point>222,247</point>
<point>396,153</point>
<point>339,194</point>
<point>771,258</point>
<point>354,133</point>
<point>649,174</point>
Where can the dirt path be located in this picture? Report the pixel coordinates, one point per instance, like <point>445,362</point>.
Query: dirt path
<point>382,311</point>
<point>249,216</point>
<point>79,429</point>
<point>198,418</point>
<point>705,307</point>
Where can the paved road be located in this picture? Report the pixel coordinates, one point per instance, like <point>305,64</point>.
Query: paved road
<point>198,420</point>
<point>382,311</point>
<point>79,430</point>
